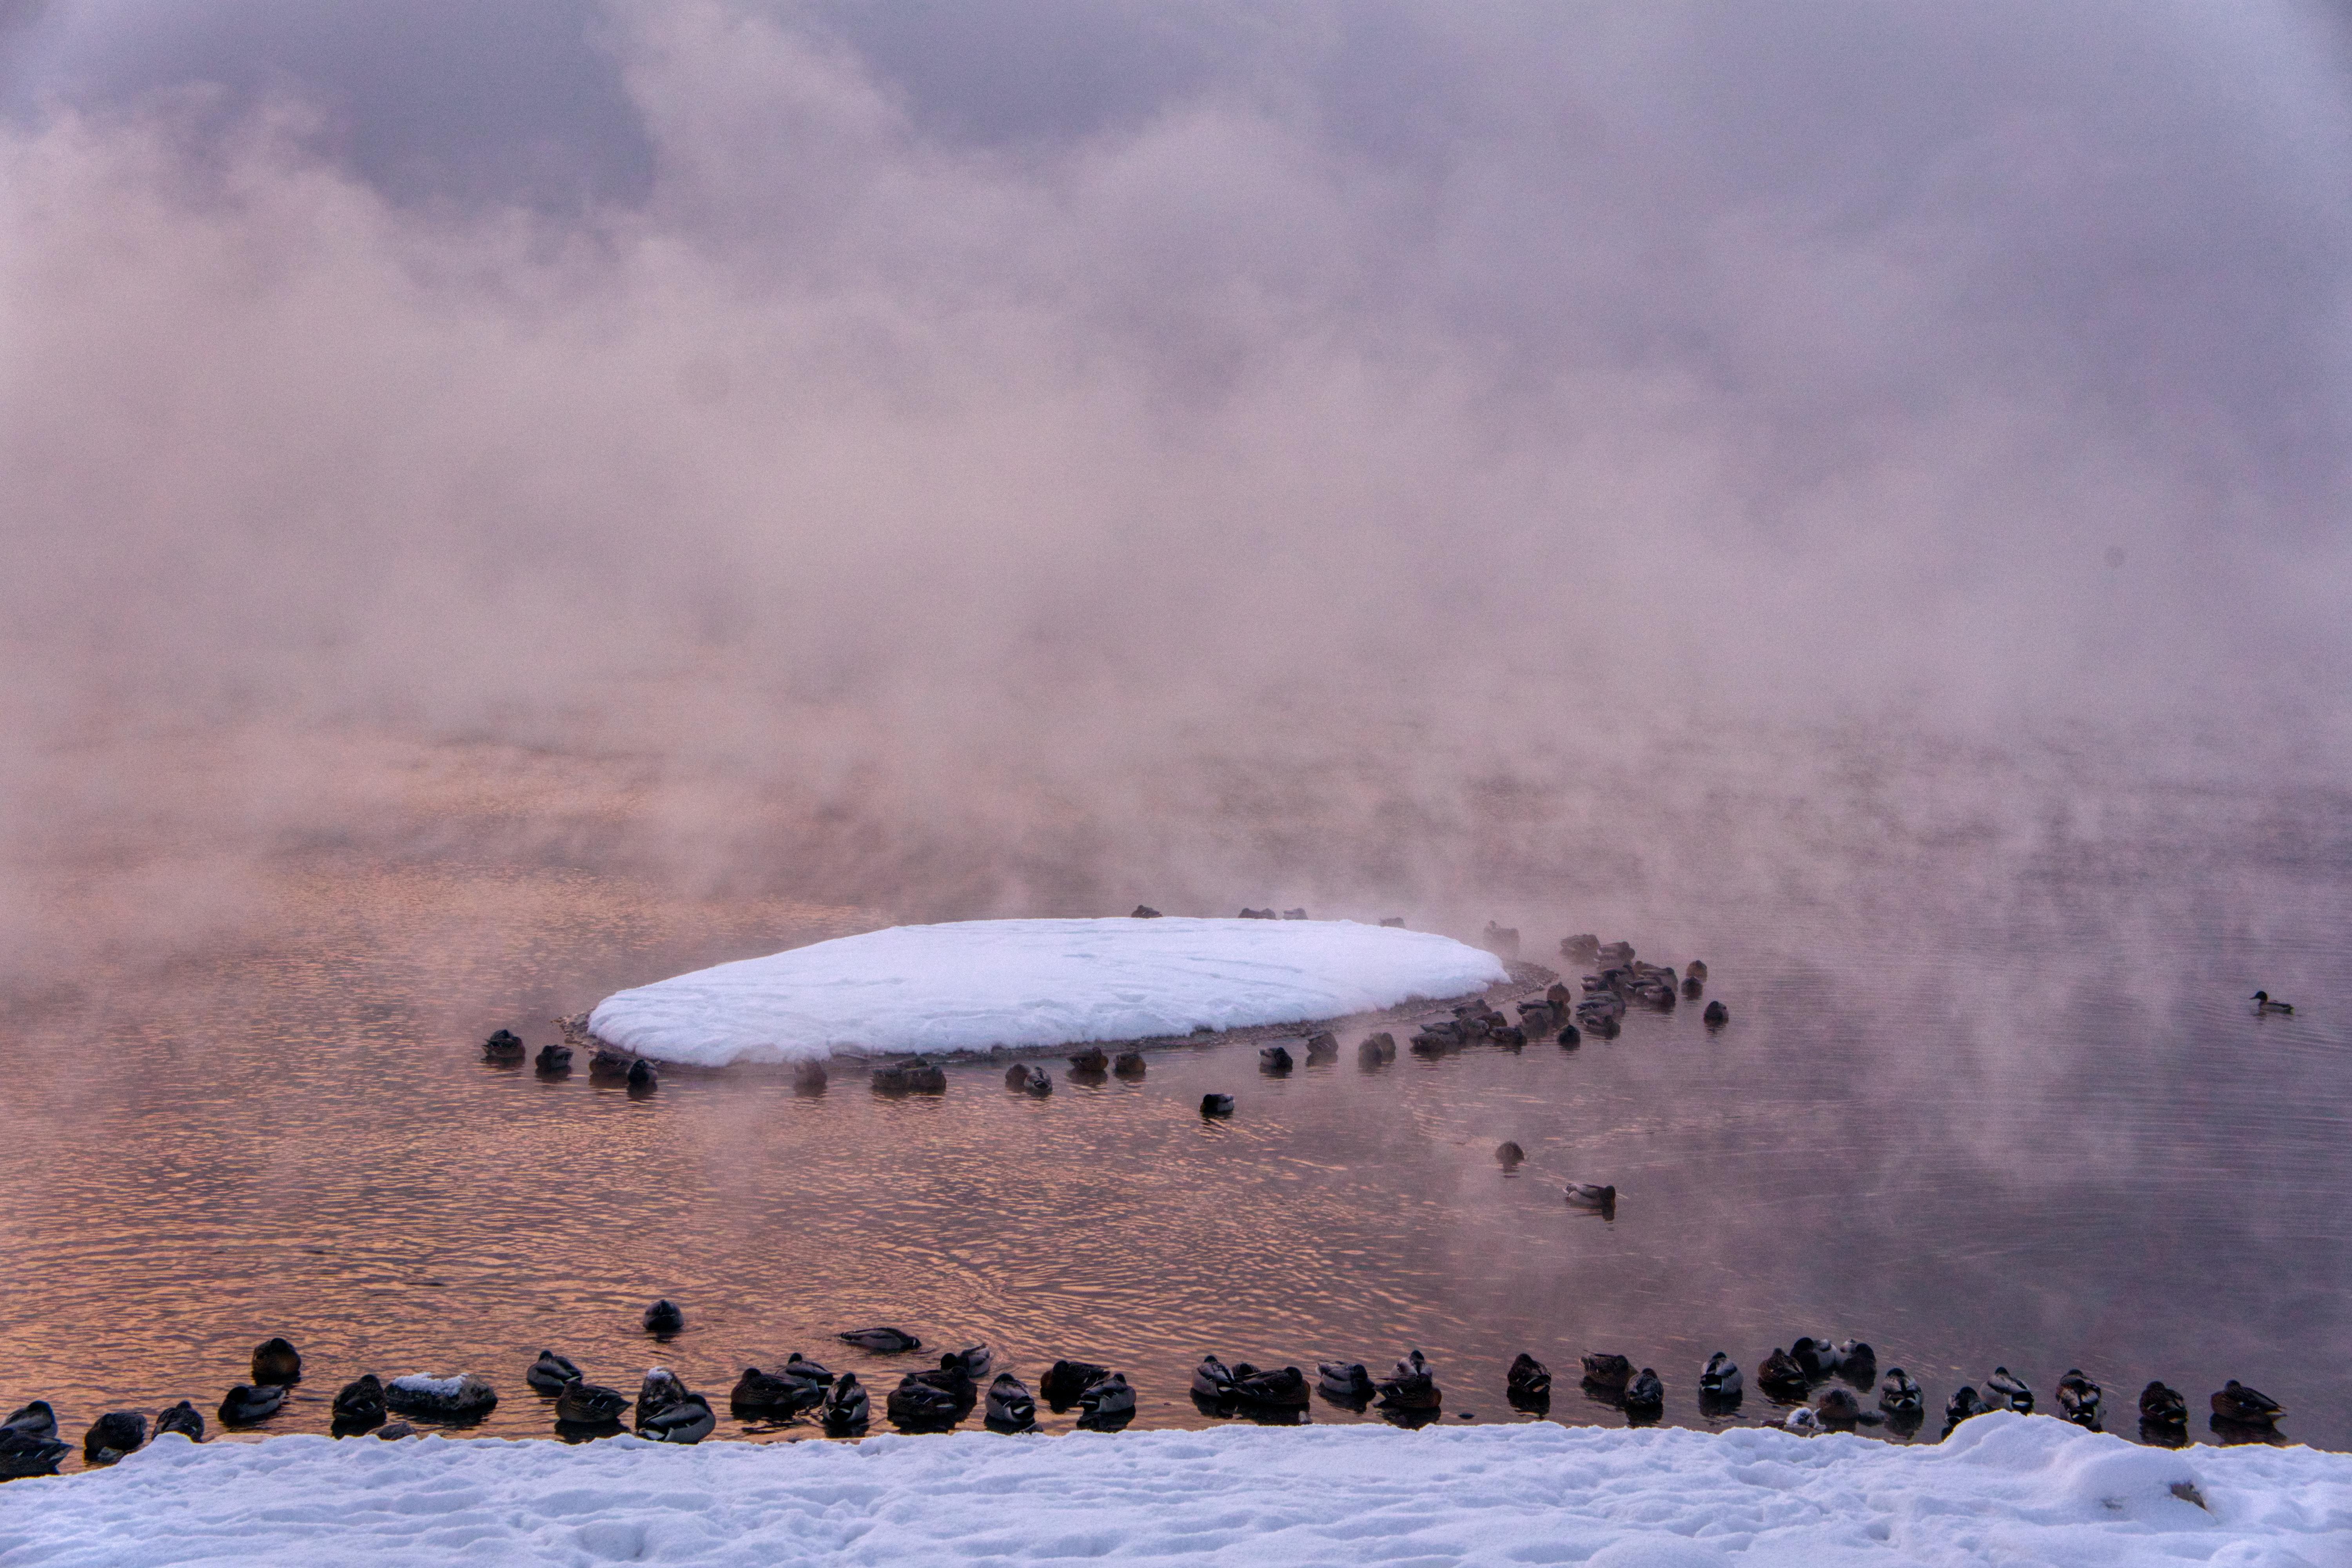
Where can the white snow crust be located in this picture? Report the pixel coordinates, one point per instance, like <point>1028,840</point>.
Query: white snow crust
<point>977,983</point>
<point>417,1383</point>
<point>2004,1489</point>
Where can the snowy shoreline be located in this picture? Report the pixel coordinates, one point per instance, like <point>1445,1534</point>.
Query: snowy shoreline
<point>1006,988</point>
<point>2003,1488</point>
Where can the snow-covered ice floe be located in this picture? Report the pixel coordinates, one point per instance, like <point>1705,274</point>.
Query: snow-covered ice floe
<point>976,984</point>
<point>2005,1488</point>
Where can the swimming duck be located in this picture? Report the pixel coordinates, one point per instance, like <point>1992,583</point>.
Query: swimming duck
<point>1527,1381</point>
<point>1857,1362</point>
<point>800,1366</point>
<point>35,1420</point>
<point>1064,1381</point>
<point>1609,1373</point>
<point>1216,1105</point>
<point>184,1418</point>
<point>464,1397</point>
<point>1144,912</point>
<point>249,1403</point>
<point>1570,1037</point>
<point>1781,1377</point>
<point>1322,1045</point>
<point>917,1075</point>
<point>550,1373</point>
<point>975,1361</point>
<point>2245,1406</point>
<point>1697,969</point>
<point>664,1318</point>
<point>554,1060</point>
<point>1815,1358</point>
<point>1023,1078</point>
<point>1644,1395</point>
<point>1274,1058</point>
<point>1838,1408</point>
<point>1212,1378</point>
<point>691,1420</point>
<point>1344,1382</point>
<point>2009,1391</point>
<point>1092,1062</point>
<point>275,1361</point>
<point>1605,1028</point>
<point>657,1391</point>
<point>1010,1408</point>
<point>1108,1403</point>
<point>952,1378</point>
<point>359,1404</point>
<point>881,1341</point>
<point>644,1078</point>
<point>1693,986</point>
<point>1592,1195</point>
<point>2162,1406</point>
<point>1900,1395</point>
<point>1283,1388</point>
<point>809,1078</point>
<point>1721,1382</point>
<point>1129,1065</point>
<point>1717,1016</point>
<point>2078,1398</point>
<point>504,1047</point>
<point>846,1407</point>
<point>585,1403</point>
<point>919,1404</point>
<point>758,1393</point>
<point>607,1063</point>
<point>1412,1386</point>
<point>1377,1049</point>
<point>113,1435</point>
<point>1963,1405</point>
<point>25,1453</point>
<point>2263,1004</point>
<point>1510,1154</point>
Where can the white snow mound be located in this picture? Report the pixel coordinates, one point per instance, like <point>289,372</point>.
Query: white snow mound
<point>976,984</point>
<point>2007,1489</point>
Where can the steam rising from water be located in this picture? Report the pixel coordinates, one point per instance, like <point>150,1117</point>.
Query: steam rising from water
<point>1365,456</point>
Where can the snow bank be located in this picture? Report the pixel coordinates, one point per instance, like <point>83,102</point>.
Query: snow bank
<point>977,983</point>
<point>2005,1488</point>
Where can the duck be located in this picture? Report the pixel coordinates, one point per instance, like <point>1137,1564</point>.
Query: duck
<point>917,1075</point>
<point>1964,1403</point>
<point>846,1407</point>
<point>1129,1065</point>
<point>1815,1358</point>
<point>249,1403</point>
<point>1412,1386</point>
<point>918,1403</point>
<point>112,1435</point>
<point>277,1361</point>
<point>1508,1154</point>
<point>1092,1062</point>
<point>1780,1376</point>
<point>1274,1058</point>
<point>691,1420</point>
<point>359,1404</point>
<point>644,1076</point>
<point>550,1373</point>
<point>1108,1403</point>
<point>2011,1391</point>
<point>38,1419</point>
<point>1064,1381</point>
<point>1605,1028</point>
<point>2078,1398</point>
<point>1144,912</point>
<point>1023,1078</point>
<point>184,1418</point>
<point>1644,1395</point>
<point>883,1340</point>
<point>26,1453</point>
<point>1857,1362</point>
<point>1838,1408</point>
<point>975,1360</point>
<point>758,1393</point>
<point>2234,1402</point>
<point>1527,1379</point>
<point>1721,1382</point>
<point>664,1318</point>
<point>1212,1378</point>
<point>1322,1045</point>
<point>395,1431</point>
<point>1570,1037</point>
<point>1800,1421</point>
<point>1607,1372</point>
<point>585,1403</point>
<point>1010,1407</point>
<point>1592,1195</point>
<point>1377,1049</point>
<point>1344,1382</point>
<point>809,1078</point>
<point>2163,1407</point>
<point>504,1045</point>
<point>1279,1388</point>
<point>604,1062</point>
<point>554,1060</point>
<point>1900,1395</point>
<point>1692,987</point>
<point>800,1366</point>
<point>1695,970</point>
<point>1216,1105</point>
<point>2263,1004</point>
<point>1717,1016</point>
<point>952,1378</point>
<point>658,1390</point>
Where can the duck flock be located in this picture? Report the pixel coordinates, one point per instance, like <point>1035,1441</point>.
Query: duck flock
<point>1802,1378</point>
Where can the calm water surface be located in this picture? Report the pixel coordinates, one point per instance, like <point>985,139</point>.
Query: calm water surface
<point>2016,1115</point>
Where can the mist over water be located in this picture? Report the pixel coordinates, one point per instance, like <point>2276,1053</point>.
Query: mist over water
<point>1858,489</point>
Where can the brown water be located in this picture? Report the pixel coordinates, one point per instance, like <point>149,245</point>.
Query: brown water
<point>2017,1113</point>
